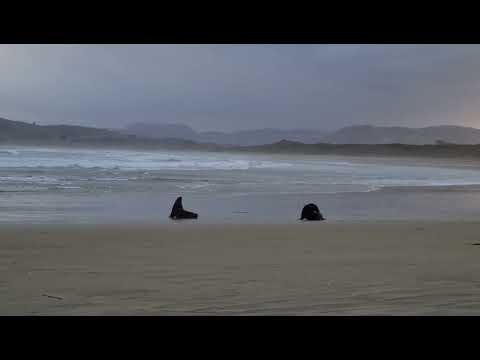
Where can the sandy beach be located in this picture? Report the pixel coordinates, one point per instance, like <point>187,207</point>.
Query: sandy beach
<point>403,268</point>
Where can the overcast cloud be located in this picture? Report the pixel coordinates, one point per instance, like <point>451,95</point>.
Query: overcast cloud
<point>232,87</point>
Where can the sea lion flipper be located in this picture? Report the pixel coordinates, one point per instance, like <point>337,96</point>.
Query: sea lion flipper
<point>177,207</point>
<point>178,212</point>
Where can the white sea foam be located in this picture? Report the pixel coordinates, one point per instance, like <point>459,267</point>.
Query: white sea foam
<point>8,152</point>
<point>29,179</point>
<point>128,160</point>
<point>193,186</point>
<point>113,179</point>
<point>241,172</point>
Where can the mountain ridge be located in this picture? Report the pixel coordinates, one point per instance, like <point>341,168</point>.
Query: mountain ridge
<point>22,133</point>
<point>369,134</point>
<point>11,131</point>
<point>355,134</point>
<point>234,138</point>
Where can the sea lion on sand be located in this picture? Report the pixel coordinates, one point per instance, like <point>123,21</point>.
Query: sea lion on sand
<point>179,213</point>
<point>311,212</point>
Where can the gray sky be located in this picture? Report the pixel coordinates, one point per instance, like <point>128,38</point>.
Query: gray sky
<point>233,87</point>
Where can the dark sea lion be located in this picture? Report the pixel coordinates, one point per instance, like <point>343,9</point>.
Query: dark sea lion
<point>179,213</point>
<point>311,212</point>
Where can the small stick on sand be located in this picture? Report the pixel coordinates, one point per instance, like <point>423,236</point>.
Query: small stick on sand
<point>52,297</point>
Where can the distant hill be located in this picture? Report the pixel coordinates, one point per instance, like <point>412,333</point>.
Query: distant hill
<point>22,133</point>
<point>362,134</point>
<point>161,131</point>
<point>367,134</point>
<point>445,141</point>
<point>242,138</point>
<point>17,130</point>
<point>262,136</point>
<point>444,151</point>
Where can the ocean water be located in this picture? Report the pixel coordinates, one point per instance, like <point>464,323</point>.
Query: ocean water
<point>97,185</point>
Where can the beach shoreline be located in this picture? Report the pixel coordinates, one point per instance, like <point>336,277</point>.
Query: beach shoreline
<point>367,268</point>
<point>63,186</point>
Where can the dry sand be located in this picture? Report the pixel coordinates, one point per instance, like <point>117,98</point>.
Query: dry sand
<point>301,269</point>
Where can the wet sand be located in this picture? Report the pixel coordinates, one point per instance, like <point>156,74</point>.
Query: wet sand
<point>404,268</point>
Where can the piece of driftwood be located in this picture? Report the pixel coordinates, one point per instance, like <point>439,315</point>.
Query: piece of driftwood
<point>53,297</point>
